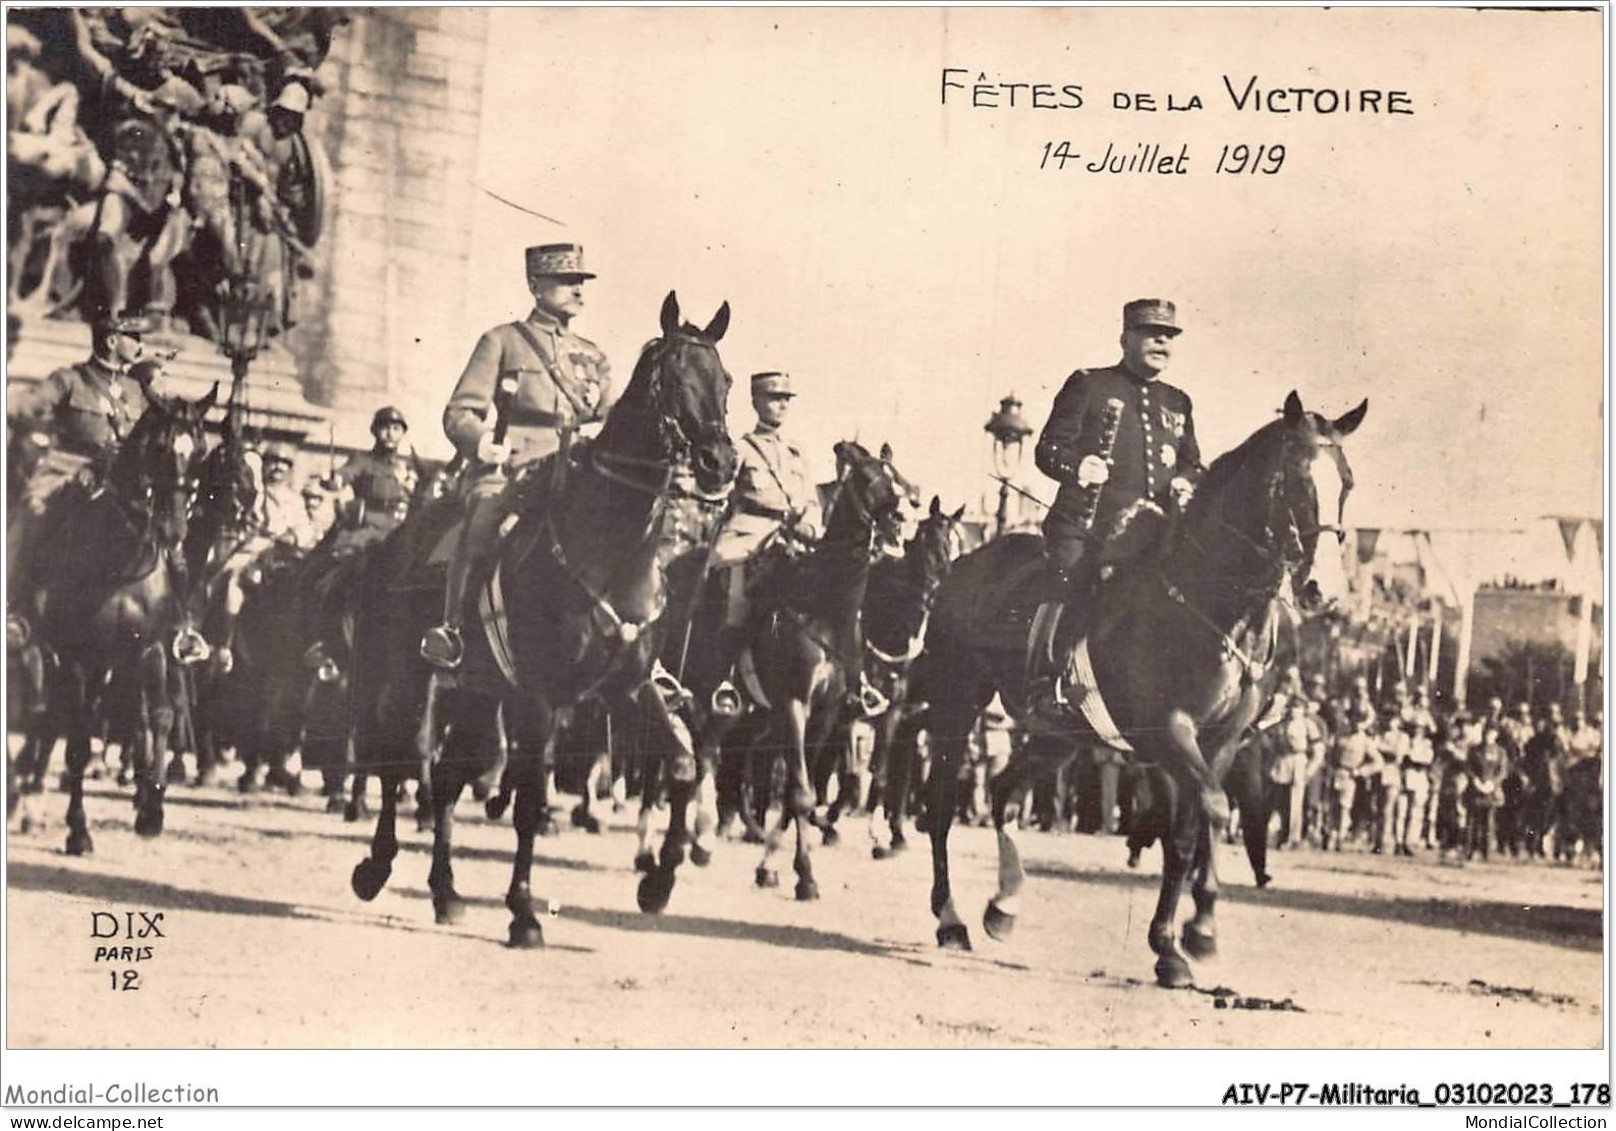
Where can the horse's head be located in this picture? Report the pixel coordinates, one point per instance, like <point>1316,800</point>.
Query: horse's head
<point>869,489</point>
<point>936,542</point>
<point>1308,498</point>
<point>229,485</point>
<point>678,399</point>
<point>158,462</point>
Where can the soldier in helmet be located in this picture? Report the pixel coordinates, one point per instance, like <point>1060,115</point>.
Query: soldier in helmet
<point>382,480</point>
<point>1154,457</point>
<point>546,382</point>
<point>282,505</point>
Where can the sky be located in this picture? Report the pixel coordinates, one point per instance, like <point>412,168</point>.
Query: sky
<point>909,262</point>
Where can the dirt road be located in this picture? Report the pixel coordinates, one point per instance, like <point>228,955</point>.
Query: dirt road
<point>263,944</point>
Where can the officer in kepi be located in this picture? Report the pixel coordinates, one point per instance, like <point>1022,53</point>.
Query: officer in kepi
<point>382,480</point>
<point>80,415</point>
<point>1117,439</point>
<point>546,382</point>
<point>773,503</point>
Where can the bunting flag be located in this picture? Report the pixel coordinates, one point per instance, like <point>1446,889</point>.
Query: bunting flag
<point>1367,539</point>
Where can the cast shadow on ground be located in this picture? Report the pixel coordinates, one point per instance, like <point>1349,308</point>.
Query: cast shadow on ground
<point>1571,927</point>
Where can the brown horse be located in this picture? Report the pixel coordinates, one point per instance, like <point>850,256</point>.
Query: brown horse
<point>113,592</point>
<point>1182,651</point>
<point>580,586</point>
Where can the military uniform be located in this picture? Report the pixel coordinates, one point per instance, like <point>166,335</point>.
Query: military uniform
<point>88,409</point>
<point>383,483</point>
<point>1155,443</point>
<point>563,380</point>
<point>772,488</point>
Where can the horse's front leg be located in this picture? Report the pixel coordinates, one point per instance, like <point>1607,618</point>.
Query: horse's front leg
<point>1178,846</point>
<point>370,874</point>
<point>669,738</point>
<point>153,722</point>
<point>527,772</point>
<point>447,782</point>
<point>77,715</point>
<point>1200,932</point>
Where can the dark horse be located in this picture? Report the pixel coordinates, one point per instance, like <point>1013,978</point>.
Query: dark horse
<point>799,652</point>
<point>897,613</point>
<point>113,593</point>
<point>1182,650</point>
<point>580,586</point>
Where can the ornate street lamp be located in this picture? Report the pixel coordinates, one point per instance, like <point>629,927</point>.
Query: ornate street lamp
<point>1009,430</point>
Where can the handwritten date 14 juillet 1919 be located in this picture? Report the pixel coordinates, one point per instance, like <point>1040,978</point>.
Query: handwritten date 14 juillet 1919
<point>1155,159</point>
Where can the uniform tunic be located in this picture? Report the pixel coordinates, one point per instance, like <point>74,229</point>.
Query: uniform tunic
<point>88,408</point>
<point>1155,443</point>
<point>771,485</point>
<point>384,482</point>
<point>565,380</point>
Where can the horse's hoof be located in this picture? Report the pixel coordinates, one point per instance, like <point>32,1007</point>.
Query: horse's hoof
<point>879,852</point>
<point>494,808</point>
<point>752,836</point>
<point>1133,857</point>
<point>585,821</point>
<point>547,826</point>
<point>480,790</point>
<point>832,837</point>
<point>369,877</point>
<point>999,925</point>
<point>700,856</point>
<point>1173,973</point>
<point>645,862</point>
<point>176,772</point>
<point>357,810</point>
<point>1200,942</point>
<point>247,783</point>
<point>653,892</point>
<point>449,909</point>
<point>423,820</point>
<point>149,823</point>
<point>526,934</point>
<point>953,936</point>
<point>1263,880</point>
<point>807,891</point>
<point>80,844</point>
<point>334,804</point>
<point>899,844</point>
<point>767,878</point>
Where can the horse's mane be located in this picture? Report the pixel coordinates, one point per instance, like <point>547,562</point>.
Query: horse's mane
<point>1228,467</point>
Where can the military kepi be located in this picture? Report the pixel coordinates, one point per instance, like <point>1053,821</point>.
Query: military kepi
<point>558,259</point>
<point>772,385</point>
<point>1155,312</point>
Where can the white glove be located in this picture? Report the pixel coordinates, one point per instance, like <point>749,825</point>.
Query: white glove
<point>491,453</point>
<point>1092,472</point>
<point>1183,490</point>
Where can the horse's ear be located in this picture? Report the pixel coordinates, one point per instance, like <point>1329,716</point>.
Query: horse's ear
<point>1294,413</point>
<point>958,513</point>
<point>205,405</point>
<point>886,453</point>
<point>936,506</point>
<point>1348,424</point>
<point>719,324</point>
<point>670,315</point>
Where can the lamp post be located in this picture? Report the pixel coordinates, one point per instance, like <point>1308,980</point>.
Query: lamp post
<point>1008,429</point>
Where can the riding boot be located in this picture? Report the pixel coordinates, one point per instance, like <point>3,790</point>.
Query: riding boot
<point>1045,693</point>
<point>442,646</point>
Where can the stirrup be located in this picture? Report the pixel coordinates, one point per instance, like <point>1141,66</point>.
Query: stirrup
<point>190,647</point>
<point>726,700</point>
<point>674,694</point>
<point>870,699</point>
<point>1046,696</point>
<point>441,647</point>
<point>325,669</point>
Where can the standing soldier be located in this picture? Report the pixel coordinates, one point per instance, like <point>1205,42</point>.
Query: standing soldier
<point>1487,766</point>
<point>382,480</point>
<point>548,382</point>
<point>1115,436</point>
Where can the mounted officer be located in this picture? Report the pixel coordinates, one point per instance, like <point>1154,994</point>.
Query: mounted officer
<point>545,382</point>
<point>382,480</point>
<point>1116,438</point>
<point>773,503</point>
<point>82,412</point>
